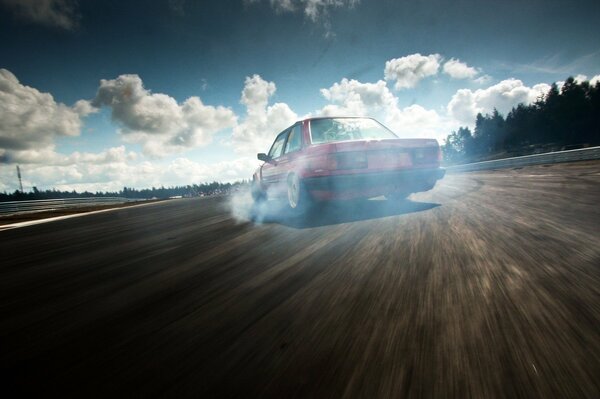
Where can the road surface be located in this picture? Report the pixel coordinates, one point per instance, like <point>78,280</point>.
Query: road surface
<point>488,287</point>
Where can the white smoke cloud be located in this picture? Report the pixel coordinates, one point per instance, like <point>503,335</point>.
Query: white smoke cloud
<point>466,104</point>
<point>262,122</point>
<point>61,14</point>
<point>156,120</point>
<point>409,70</point>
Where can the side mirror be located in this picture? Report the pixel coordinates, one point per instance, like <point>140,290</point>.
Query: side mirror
<point>265,158</point>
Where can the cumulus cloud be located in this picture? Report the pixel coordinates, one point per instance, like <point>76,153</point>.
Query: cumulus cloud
<point>351,97</point>
<point>48,157</point>
<point>61,14</point>
<point>80,170</point>
<point>262,122</point>
<point>186,171</point>
<point>115,168</point>
<point>459,70</point>
<point>354,98</point>
<point>32,120</point>
<point>466,104</point>
<point>408,71</point>
<point>595,80</point>
<point>415,121</point>
<point>158,121</point>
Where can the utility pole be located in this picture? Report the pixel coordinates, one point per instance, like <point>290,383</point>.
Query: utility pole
<point>19,174</point>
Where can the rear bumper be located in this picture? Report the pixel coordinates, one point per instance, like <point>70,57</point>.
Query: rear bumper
<point>372,184</point>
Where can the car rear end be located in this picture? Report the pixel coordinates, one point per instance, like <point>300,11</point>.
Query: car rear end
<point>371,167</point>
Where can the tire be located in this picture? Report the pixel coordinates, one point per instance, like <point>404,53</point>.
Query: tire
<point>298,199</point>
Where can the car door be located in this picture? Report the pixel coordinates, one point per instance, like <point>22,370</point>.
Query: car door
<point>272,171</point>
<point>288,162</point>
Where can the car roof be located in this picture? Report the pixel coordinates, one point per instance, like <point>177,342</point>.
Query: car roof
<point>334,117</point>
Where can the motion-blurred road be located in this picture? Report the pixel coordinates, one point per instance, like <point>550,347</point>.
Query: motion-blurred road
<point>486,287</point>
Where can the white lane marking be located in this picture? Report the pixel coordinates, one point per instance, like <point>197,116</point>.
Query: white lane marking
<point>53,219</point>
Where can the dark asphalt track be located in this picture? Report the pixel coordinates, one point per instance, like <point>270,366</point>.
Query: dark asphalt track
<point>486,287</point>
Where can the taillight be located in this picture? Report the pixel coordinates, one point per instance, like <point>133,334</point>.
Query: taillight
<point>439,155</point>
<point>419,154</point>
<point>427,155</point>
<point>347,160</point>
<point>331,162</point>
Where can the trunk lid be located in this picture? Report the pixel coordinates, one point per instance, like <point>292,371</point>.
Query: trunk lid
<point>386,154</point>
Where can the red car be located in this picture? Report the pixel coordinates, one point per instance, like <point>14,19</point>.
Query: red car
<point>330,158</point>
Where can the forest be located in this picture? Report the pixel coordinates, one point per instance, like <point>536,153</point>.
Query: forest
<point>195,190</point>
<point>564,118</point>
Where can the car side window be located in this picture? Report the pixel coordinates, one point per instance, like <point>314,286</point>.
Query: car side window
<point>277,146</point>
<point>294,142</point>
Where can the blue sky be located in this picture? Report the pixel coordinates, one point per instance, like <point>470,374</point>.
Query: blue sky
<point>213,82</point>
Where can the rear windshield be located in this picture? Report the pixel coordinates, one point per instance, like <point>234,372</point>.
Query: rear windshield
<point>346,129</point>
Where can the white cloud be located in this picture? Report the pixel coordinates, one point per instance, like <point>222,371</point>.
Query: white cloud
<point>483,79</point>
<point>32,120</point>
<point>466,104</point>
<point>47,169</point>
<point>284,5</point>
<point>185,171</point>
<point>48,157</point>
<point>312,9</point>
<point>354,98</point>
<point>115,168</point>
<point>156,120</point>
<point>316,11</point>
<point>408,71</point>
<point>52,13</point>
<point>579,78</point>
<point>261,122</point>
<point>416,121</point>
<point>351,97</point>
<point>459,70</point>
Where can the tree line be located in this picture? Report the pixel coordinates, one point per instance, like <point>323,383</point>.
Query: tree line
<point>560,119</point>
<point>195,190</point>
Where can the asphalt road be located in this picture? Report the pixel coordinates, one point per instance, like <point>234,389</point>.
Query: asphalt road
<point>487,287</point>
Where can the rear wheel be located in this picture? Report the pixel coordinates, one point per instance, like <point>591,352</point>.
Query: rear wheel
<point>298,198</point>
<point>258,195</point>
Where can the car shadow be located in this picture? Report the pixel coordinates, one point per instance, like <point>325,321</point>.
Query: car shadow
<point>332,213</point>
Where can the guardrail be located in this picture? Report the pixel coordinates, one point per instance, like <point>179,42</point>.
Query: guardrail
<point>583,154</point>
<point>14,207</point>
